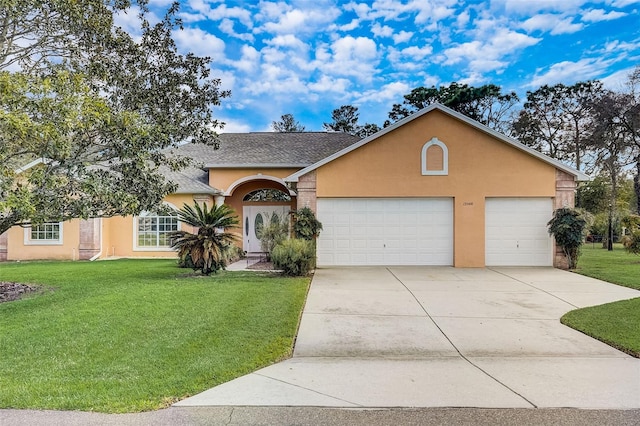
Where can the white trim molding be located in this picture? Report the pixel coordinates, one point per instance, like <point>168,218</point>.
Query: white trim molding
<point>136,246</point>
<point>28,241</point>
<point>445,158</point>
<point>245,179</point>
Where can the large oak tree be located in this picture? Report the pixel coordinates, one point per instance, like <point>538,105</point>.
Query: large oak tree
<point>94,111</point>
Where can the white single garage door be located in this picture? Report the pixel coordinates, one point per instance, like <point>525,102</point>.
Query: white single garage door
<point>385,231</point>
<point>516,232</point>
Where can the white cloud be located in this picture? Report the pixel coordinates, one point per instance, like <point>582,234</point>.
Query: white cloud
<point>346,27</point>
<point>597,15</point>
<point>568,72</point>
<point>361,9</point>
<point>556,24</point>
<point>463,19</point>
<point>389,92</point>
<point>617,81</point>
<point>234,126</point>
<point>249,60</point>
<point>488,55</point>
<point>402,37</point>
<point>275,79</point>
<point>203,9</point>
<point>624,3</point>
<point>381,31</point>
<point>200,43</point>
<point>330,84</point>
<point>349,56</point>
<point>525,7</point>
<point>566,26</point>
<point>299,20</point>
<point>432,11</point>
<point>621,46</point>
<point>227,26</point>
<point>417,53</point>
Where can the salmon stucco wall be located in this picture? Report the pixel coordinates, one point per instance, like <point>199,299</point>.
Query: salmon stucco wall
<point>479,166</point>
<point>16,249</point>
<point>119,232</point>
<point>222,179</point>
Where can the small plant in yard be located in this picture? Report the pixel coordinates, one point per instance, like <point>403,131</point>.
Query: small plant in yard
<point>273,233</point>
<point>209,249</point>
<point>631,243</point>
<point>305,224</point>
<point>567,226</point>
<point>295,257</point>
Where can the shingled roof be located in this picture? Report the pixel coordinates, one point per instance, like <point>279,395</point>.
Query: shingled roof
<point>269,149</point>
<point>260,149</point>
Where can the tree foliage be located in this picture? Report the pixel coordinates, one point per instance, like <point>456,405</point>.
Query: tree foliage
<point>287,124</point>
<point>207,250</point>
<point>345,119</point>
<point>485,104</point>
<point>556,120</point>
<point>100,110</point>
<point>567,226</point>
<point>618,130</point>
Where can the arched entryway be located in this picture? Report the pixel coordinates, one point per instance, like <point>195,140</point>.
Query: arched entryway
<point>260,207</point>
<point>258,201</point>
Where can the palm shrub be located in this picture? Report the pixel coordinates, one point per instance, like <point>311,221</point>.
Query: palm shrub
<point>567,226</point>
<point>294,256</point>
<point>208,250</point>
<point>631,242</point>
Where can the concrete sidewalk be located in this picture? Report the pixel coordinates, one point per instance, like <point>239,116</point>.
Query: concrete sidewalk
<point>443,337</point>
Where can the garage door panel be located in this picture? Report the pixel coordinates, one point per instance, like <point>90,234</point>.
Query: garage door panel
<point>387,231</point>
<point>516,232</point>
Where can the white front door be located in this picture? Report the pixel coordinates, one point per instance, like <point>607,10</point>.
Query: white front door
<point>254,218</point>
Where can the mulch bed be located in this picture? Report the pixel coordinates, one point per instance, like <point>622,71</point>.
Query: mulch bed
<point>261,266</point>
<point>13,291</point>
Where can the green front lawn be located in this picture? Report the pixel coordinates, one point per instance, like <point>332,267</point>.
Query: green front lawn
<point>617,266</point>
<point>133,335</point>
<point>618,323</point>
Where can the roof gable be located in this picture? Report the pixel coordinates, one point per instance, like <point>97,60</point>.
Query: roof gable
<point>470,122</point>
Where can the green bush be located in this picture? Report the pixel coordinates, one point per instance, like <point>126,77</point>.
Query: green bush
<point>631,242</point>
<point>273,233</point>
<point>305,224</point>
<point>294,257</point>
<point>567,226</point>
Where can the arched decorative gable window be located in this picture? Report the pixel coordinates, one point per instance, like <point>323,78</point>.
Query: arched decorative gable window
<point>435,158</point>
<point>267,195</point>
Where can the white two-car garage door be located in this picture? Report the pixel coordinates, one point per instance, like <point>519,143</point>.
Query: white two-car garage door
<point>385,231</point>
<point>516,232</point>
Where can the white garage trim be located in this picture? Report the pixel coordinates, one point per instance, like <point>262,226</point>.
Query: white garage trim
<point>385,231</point>
<point>516,232</point>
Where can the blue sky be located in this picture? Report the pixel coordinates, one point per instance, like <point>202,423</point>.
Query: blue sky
<point>308,57</point>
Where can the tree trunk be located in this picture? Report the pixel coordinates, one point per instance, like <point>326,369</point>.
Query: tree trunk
<point>8,221</point>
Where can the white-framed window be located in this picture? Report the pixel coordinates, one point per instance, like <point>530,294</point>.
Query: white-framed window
<point>152,230</point>
<point>49,233</point>
<point>435,158</point>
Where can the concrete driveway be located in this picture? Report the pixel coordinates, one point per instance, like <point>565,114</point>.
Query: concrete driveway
<point>443,337</point>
